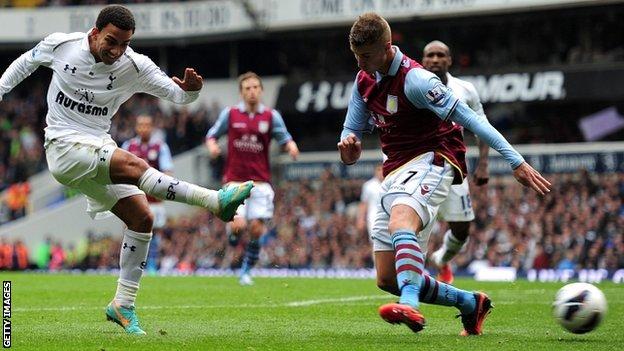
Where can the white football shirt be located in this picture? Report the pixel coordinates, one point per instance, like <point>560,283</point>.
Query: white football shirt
<point>83,94</point>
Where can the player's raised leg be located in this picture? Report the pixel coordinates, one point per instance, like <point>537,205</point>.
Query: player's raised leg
<point>126,168</point>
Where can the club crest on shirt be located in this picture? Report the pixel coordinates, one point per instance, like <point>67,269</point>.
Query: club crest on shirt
<point>392,104</point>
<point>263,127</point>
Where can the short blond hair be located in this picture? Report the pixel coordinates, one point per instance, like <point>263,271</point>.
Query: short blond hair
<point>369,28</point>
<point>248,75</point>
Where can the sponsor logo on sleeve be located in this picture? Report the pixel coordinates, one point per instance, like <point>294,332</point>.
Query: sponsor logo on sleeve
<point>436,94</point>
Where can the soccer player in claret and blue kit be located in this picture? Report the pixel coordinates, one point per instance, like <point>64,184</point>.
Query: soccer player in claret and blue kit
<point>418,121</point>
<point>250,126</point>
<point>93,73</point>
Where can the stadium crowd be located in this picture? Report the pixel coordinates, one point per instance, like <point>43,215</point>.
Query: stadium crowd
<point>579,225</point>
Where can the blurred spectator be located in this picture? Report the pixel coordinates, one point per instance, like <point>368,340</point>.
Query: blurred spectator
<point>42,254</point>
<point>57,257</point>
<point>20,256</point>
<point>16,199</point>
<point>6,254</point>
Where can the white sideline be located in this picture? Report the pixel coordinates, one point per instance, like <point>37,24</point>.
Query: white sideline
<point>302,303</point>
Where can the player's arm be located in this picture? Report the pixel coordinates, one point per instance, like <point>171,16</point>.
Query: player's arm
<point>356,122</point>
<point>282,136</point>
<point>215,132</point>
<point>425,90</point>
<point>154,81</point>
<point>165,160</point>
<point>481,174</point>
<point>28,62</point>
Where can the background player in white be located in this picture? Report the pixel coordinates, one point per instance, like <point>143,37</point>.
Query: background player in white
<point>93,74</point>
<point>249,127</point>
<point>457,208</point>
<point>370,199</point>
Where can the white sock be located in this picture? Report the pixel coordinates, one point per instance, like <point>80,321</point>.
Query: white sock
<point>450,247</point>
<point>132,260</point>
<point>165,187</point>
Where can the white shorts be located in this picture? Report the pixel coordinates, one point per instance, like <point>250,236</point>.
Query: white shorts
<point>422,186</point>
<point>458,206</point>
<point>259,205</point>
<point>86,167</point>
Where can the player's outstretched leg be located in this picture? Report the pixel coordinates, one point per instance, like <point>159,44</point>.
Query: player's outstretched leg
<point>409,264</point>
<point>126,317</point>
<point>473,307</point>
<point>222,203</point>
<point>230,197</point>
<point>473,321</point>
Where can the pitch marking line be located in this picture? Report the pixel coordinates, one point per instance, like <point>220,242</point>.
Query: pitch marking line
<point>303,303</point>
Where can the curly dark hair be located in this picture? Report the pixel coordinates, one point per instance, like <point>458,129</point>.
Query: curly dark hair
<point>117,15</point>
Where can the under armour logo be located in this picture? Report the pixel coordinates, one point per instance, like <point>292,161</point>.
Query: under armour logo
<point>132,248</point>
<point>110,85</point>
<point>73,70</point>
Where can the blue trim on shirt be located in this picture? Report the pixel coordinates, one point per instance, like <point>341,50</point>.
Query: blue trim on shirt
<point>357,119</point>
<point>221,125</point>
<point>466,117</point>
<point>279,132</point>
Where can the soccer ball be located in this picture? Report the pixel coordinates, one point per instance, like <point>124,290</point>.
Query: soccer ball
<point>579,307</point>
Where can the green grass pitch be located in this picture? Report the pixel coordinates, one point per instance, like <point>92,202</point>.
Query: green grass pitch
<point>66,312</point>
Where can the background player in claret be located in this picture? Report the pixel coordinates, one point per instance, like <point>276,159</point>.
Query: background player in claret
<point>249,126</point>
<point>157,154</point>
<point>457,208</point>
<point>93,74</point>
<point>413,112</point>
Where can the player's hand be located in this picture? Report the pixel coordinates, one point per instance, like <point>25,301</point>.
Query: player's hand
<point>350,149</point>
<point>529,177</point>
<point>214,150</point>
<point>293,150</point>
<point>192,81</point>
<point>481,174</point>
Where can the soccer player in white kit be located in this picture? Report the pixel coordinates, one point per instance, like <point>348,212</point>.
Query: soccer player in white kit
<point>457,208</point>
<point>93,74</point>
